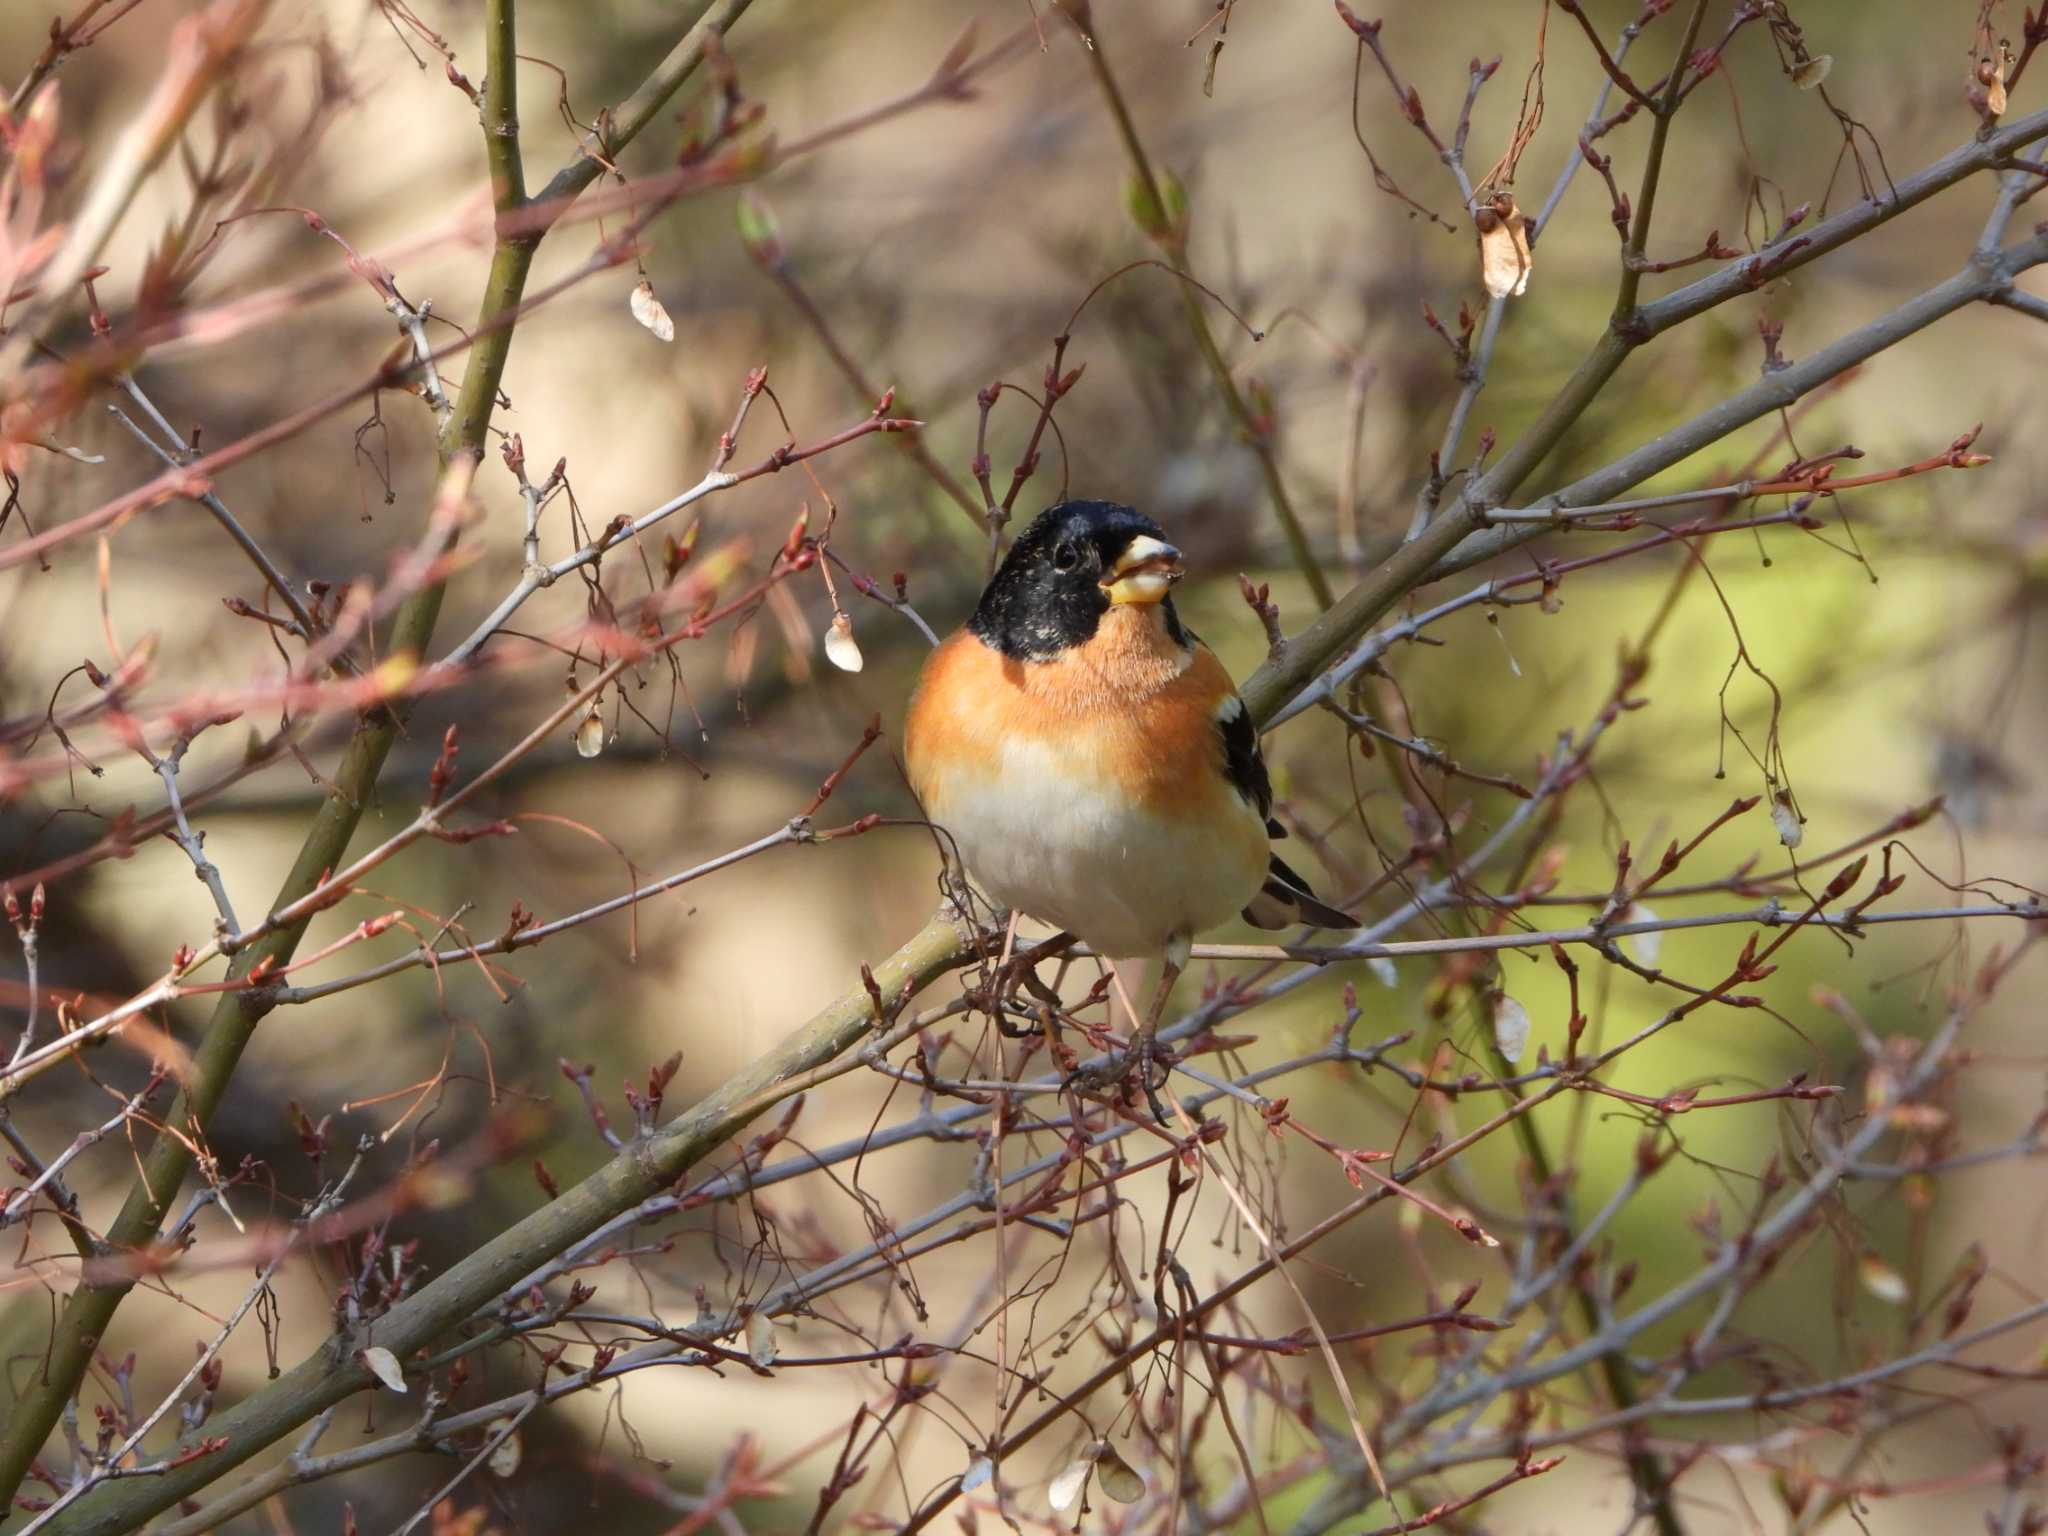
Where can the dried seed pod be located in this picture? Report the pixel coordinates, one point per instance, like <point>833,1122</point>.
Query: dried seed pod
<point>1882,1281</point>
<point>1510,1028</point>
<point>1791,830</point>
<point>648,310</point>
<point>1504,259</point>
<point>1647,946</point>
<point>1065,1488</point>
<point>384,1366</point>
<point>762,1346</point>
<point>841,649</point>
<point>1810,72</point>
<point>505,1458</point>
<point>1117,1478</point>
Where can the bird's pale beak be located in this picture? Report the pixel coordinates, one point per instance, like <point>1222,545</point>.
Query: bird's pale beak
<point>1145,572</point>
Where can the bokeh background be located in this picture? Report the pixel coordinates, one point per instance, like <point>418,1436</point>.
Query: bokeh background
<point>946,248</point>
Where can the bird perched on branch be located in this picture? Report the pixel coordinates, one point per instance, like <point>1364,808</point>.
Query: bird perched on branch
<point>1090,756</point>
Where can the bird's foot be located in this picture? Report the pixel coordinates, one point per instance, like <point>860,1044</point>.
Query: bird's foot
<point>1020,971</point>
<point>1144,1067</point>
<point>998,1000</point>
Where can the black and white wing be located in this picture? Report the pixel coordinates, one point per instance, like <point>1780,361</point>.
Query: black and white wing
<point>1285,899</point>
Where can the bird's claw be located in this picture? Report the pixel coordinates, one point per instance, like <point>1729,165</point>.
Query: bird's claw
<point>1018,971</point>
<point>1153,1063</point>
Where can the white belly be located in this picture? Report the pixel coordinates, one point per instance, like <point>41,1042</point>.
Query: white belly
<point>1122,879</point>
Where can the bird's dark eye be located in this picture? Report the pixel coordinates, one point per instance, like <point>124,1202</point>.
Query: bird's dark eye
<point>1065,556</point>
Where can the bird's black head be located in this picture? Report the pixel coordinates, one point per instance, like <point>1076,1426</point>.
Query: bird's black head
<point>1067,570</point>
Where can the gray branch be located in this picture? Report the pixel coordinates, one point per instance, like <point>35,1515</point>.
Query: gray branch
<point>1980,281</point>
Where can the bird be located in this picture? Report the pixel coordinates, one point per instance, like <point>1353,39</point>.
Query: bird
<point>1090,757</point>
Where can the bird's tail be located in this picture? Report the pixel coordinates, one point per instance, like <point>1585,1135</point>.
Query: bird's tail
<point>1285,900</point>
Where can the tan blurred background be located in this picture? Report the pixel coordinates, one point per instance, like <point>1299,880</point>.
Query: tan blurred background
<point>947,247</point>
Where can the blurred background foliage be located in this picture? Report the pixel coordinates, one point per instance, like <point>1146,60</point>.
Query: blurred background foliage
<point>945,249</point>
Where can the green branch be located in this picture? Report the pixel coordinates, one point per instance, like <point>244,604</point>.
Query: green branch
<point>644,105</point>
<point>1174,243</point>
<point>1665,109</point>
<point>501,107</point>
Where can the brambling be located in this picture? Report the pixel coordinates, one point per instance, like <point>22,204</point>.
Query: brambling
<point>1090,756</point>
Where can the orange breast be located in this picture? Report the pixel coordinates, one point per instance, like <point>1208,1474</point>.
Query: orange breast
<point>1089,790</point>
<point>1117,710</point>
